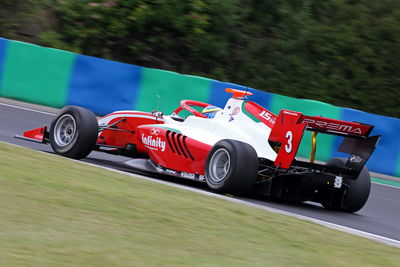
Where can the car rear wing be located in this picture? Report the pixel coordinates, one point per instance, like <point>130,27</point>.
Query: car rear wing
<point>336,127</point>
<point>289,128</point>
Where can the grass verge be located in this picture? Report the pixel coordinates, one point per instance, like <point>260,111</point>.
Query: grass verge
<point>56,212</point>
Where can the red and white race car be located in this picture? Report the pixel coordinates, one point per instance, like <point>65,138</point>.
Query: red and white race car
<point>240,148</point>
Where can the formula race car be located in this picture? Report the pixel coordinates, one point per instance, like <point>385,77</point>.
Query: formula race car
<point>238,149</point>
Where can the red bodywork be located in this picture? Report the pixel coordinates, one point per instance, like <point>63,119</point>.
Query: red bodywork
<point>260,113</point>
<point>173,150</point>
<point>288,131</point>
<point>165,147</point>
<point>123,131</point>
<point>336,126</point>
<point>290,125</point>
<point>37,134</point>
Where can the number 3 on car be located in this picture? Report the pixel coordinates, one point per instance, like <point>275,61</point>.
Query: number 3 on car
<point>288,146</point>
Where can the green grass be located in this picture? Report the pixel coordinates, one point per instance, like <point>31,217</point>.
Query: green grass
<point>56,212</point>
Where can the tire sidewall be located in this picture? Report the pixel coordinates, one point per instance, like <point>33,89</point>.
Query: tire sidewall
<point>242,173</point>
<point>359,189</point>
<point>226,181</point>
<point>85,136</point>
<point>64,149</point>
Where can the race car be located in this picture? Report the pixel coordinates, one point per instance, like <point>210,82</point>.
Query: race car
<point>237,149</point>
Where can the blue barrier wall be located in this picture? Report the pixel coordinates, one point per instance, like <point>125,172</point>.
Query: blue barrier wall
<point>385,157</point>
<point>3,46</point>
<point>103,85</point>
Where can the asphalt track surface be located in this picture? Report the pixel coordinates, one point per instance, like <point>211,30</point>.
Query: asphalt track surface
<point>380,216</point>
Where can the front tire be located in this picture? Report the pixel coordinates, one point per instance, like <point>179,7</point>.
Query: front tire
<point>231,167</point>
<point>73,132</point>
<point>357,194</point>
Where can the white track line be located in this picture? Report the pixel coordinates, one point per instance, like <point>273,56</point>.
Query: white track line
<point>378,238</point>
<point>28,109</point>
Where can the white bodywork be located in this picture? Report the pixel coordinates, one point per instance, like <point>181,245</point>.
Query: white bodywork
<point>229,123</point>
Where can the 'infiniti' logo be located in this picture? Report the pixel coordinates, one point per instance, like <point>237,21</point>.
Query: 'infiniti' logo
<point>154,131</point>
<point>153,143</point>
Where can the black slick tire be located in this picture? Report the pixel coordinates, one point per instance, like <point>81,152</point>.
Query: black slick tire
<point>358,192</point>
<point>231,167</point>
<point>73,132</point>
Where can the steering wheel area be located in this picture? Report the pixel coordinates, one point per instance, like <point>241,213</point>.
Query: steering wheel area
<point>186,105</point>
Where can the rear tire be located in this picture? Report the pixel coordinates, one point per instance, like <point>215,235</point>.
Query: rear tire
<point>231,167</point>
<point>73,132</point>
<point>358,192</point>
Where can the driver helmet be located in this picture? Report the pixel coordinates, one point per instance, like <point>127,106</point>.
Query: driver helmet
<point>210,111</point>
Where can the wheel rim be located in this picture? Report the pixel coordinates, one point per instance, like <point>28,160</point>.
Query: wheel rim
<point>65,130</point>
<point>219,165</point>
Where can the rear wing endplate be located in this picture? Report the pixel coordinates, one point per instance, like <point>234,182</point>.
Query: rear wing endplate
<point>289,128</point>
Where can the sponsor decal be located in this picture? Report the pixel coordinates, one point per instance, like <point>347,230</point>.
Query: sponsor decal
<point>267,116</point>
<point>154,131</point>
<point>170,171</point>
<point>159,169</point>
<point>333,126</point>
<point>188,175</point>
<point>338,182</point>
<point>235,111</point>
<point>153,143</point>
<point>355,159</point>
